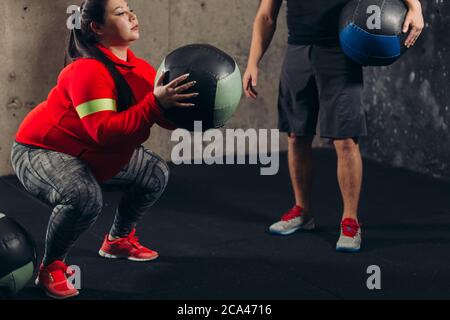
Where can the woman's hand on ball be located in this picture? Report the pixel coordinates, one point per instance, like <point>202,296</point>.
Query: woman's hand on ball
<point>170,95</point>
<point>250,80</point>
<point>414,21</point>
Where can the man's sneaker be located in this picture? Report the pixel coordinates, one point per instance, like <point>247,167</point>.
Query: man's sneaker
<point>292,221</point>
<point>126,248</point>
<point>350,239</point>
<point>53,279</point>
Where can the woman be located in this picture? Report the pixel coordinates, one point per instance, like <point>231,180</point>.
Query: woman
<point>87,136</point>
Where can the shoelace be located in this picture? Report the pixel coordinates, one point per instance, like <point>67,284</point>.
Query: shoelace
<point>64,268</point>
<point>134,240</point>
<point>349,227</point>
<point>68,272</point>
<point>131,239</point>
<point>291,214</point>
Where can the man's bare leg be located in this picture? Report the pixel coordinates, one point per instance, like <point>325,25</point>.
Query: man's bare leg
<point>300,163</point>
<point>349,173</point>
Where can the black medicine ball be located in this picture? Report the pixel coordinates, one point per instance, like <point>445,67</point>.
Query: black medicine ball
<point>370,31</point>
<point>219,84</point>
<point>17,255</point>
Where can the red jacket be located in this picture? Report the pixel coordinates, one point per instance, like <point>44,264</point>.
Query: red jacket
<point>80,115</point>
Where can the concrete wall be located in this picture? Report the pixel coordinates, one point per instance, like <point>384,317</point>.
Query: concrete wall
<point>408,103</point>
<point>33,37</point>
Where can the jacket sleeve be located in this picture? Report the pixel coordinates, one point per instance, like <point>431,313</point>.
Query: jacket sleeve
<point>94,97</point>
<point>163,123</point>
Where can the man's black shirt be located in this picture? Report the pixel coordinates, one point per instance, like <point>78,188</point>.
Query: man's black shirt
<point>314,21</point>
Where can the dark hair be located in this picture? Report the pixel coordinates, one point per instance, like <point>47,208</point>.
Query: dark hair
<point>82,44</point>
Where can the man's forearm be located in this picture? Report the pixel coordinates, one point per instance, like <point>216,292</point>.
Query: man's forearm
<point>263,31</point>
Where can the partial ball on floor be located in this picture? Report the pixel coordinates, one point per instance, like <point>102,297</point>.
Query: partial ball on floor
<point>219,84</point>
<point>17,255</point>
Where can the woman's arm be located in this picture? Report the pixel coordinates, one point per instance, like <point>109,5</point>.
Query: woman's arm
<point>93,95</point>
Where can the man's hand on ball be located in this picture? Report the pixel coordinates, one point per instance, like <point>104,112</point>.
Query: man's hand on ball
<point>414,22</point>
<point>170,95</point>
<point>250,81</point>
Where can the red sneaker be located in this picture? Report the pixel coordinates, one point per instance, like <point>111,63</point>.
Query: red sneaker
<point>53,279</point>
<point>126,248</point>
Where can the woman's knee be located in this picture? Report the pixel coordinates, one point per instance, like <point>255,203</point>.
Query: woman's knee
<point>85,199</point>
<point>153,178</point>
<point>166,170</point>
<point>159,179</point>
<point>161,169</point>
<point>162,176</point>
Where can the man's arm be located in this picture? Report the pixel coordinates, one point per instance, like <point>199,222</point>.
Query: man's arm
<point>414,22</point>
<point>264,28</point>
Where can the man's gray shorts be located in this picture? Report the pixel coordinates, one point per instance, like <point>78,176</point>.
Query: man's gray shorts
<point>320,83</point>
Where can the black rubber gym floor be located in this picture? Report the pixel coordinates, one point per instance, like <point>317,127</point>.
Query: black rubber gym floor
<point>210,228</point>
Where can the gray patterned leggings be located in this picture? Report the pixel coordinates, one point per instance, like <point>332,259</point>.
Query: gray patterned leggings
<point>66,184</point>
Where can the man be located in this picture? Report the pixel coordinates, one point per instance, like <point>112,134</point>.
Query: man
<point>316,75</point>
